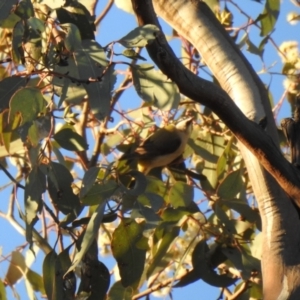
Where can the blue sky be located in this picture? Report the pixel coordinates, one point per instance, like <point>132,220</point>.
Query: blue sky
<point>113,27</point>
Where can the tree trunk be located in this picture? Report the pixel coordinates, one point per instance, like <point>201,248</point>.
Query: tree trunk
<point>194,21</point>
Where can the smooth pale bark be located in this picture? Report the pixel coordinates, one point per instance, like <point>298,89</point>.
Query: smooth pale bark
<point>195,22</point>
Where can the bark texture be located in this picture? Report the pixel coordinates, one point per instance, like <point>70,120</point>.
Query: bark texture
<point>194,21</point>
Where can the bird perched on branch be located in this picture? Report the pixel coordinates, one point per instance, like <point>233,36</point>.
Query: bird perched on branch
<point>163,147</point>
<point>291,130</point>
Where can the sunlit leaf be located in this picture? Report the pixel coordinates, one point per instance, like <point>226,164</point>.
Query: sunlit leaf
<point>130,257</point>
<point>95,51</point>
<point>125,5</point>
<point>72,39</point>
<point>2,291</point>
<point>168,237</point>
<point>67,89</point>
<point>70,140</point>
<point>269,16</point>
<point>119,292</point>
<point>77,13</point>
<point>36,281</point>
<point>231,185</point>
<point>99,91</point>
<point>153,87</point>
<point>25,9</point>
<point>16,269</point>
<point>130,53</point>
<point>100,192</point>
<point>140,36</point>
<point>181,194</point>
<point>28,102</point>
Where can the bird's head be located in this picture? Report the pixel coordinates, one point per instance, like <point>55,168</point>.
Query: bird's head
<point>185,125</point>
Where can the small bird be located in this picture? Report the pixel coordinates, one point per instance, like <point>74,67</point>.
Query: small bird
<point>163,147</point>
<point>291,130</point>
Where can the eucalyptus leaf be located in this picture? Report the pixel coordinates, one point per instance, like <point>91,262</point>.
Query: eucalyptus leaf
<point>181,194</point>
<point>153,87</point>
<point>28,102</point>
<point>53,277</point>
<point>89,236</point>
<point>17,268</point>
<point>70,140</point>
<point>140,36</point>
<point>34,189</point>
<point>269,16</point>
<point>6,7</point>
<point>130,258</point>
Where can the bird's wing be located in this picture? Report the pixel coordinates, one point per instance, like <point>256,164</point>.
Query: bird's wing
<point>162,142</point>
<point>287,125</point>
<point>291,130</point>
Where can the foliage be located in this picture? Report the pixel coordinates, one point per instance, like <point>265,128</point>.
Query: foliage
<point>62,128</point>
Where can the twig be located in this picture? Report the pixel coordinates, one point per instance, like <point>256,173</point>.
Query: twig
<point>104,12</point>
<point>11,177</point>
<point>157,287</point>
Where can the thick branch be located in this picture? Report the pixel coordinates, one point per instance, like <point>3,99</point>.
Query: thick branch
<point>208,94</point>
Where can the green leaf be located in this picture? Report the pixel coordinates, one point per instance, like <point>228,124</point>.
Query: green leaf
<point>68,91</point>
<point>17,39</point>
<point>60,188</point>
<point>8,87</point>
<point>168,237</point>
<point>88,180</point>
<point>209,147</point>
<point>95,277</point>
<point>231,185</point>
<point>72,39</point>
<point>70,140</point>
<point>154,87</point>
<point>130,53</point>
<point>203,267</point>
<point>95,51</point>
<point>140,211</point>
<point>28,102</point>
<point>25,9</point>
<point>36,281</point>
<point>119,292</point>
<point>130,257</point>
<point>77,13</point>
<point>181,194</point>
<point>6,7</point>
<point>125,5</point>
<point>2,291</point>
<point>153,200</point>
<point>70,278</point>
<point>140,36</point>
<point>242,208</point>
<point>53,277</point>
<point>89,235</point>
<point>99,92</point>
<point>269,16</point>
<point>17,268</point>
<point>100,192</point>
<point>34,189</point>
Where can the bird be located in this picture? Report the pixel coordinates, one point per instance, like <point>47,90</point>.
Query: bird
<point>291,130</point>
<point>163,147</point>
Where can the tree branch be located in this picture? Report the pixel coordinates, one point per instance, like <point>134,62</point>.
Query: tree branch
<point>208,94</point>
